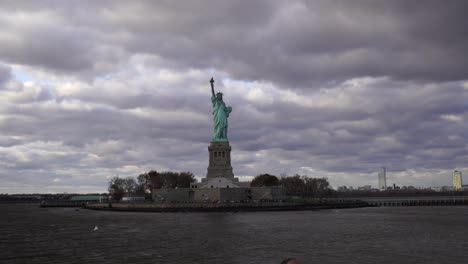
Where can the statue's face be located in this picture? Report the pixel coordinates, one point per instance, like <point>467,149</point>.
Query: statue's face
<point>219,96</point>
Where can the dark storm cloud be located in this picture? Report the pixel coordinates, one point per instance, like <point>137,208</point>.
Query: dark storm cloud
<point>42,38</point>
<point>5,74</point>
<point>292,43</point>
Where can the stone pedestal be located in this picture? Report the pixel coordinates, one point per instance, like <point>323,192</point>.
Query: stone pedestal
<point>220,162</point>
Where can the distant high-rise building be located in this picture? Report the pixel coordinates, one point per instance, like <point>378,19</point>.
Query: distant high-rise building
<point>382,180</point>
<point>457,180</point>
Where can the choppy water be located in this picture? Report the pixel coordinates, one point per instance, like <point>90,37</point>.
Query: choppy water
<point>29,234</point>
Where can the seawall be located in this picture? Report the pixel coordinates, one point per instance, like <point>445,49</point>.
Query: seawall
<point>209,207</point>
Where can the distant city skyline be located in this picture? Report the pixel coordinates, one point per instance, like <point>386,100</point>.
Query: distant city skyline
<point>335,89</point>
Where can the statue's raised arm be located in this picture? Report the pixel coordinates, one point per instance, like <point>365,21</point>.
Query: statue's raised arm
<point>212,87</point>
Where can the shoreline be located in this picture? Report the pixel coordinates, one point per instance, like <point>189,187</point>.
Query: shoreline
<point>207,207</point>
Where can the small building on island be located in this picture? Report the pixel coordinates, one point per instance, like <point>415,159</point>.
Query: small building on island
<point>132,198</point>
<point>88,198</point>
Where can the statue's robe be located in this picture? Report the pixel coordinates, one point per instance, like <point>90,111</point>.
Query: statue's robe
<point>220,119</point>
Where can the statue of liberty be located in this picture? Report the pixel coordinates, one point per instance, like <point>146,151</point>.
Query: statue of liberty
<point>220,115</point>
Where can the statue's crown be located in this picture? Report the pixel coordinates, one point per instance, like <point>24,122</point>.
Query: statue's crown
<point>219,93</point>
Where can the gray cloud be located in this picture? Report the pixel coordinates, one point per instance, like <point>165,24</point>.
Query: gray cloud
<point>5,74</point>
<point>295,44</point>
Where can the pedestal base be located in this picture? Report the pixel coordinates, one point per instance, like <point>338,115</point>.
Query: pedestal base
<point>220,161</point>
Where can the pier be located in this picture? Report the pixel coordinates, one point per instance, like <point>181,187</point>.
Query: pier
<point>416,201</point>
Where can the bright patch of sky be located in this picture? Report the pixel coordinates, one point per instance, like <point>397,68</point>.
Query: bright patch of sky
<point>22,76</point>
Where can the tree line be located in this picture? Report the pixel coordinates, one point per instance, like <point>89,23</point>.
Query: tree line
<point>296,185</point>
<point>145,183</point>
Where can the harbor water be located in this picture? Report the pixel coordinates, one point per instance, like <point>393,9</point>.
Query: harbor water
<point>30,234</point>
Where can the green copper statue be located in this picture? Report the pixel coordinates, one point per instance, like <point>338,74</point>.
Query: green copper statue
<point>220,115</point>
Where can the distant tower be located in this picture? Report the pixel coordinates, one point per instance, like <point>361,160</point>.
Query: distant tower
<point>457,180</point>
<point>382,180</point>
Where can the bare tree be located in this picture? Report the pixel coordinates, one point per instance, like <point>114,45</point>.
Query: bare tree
<point>116,188</point>
<point>264,180</point>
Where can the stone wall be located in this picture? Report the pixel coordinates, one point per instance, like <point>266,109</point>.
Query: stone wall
<point>219,194</point>
<point>235,194</point>
<point>268,193</point>
<point>207,194</point>
<point>172,195</point>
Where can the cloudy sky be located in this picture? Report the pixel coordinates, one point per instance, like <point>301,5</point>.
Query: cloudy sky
<point>336,89</point>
